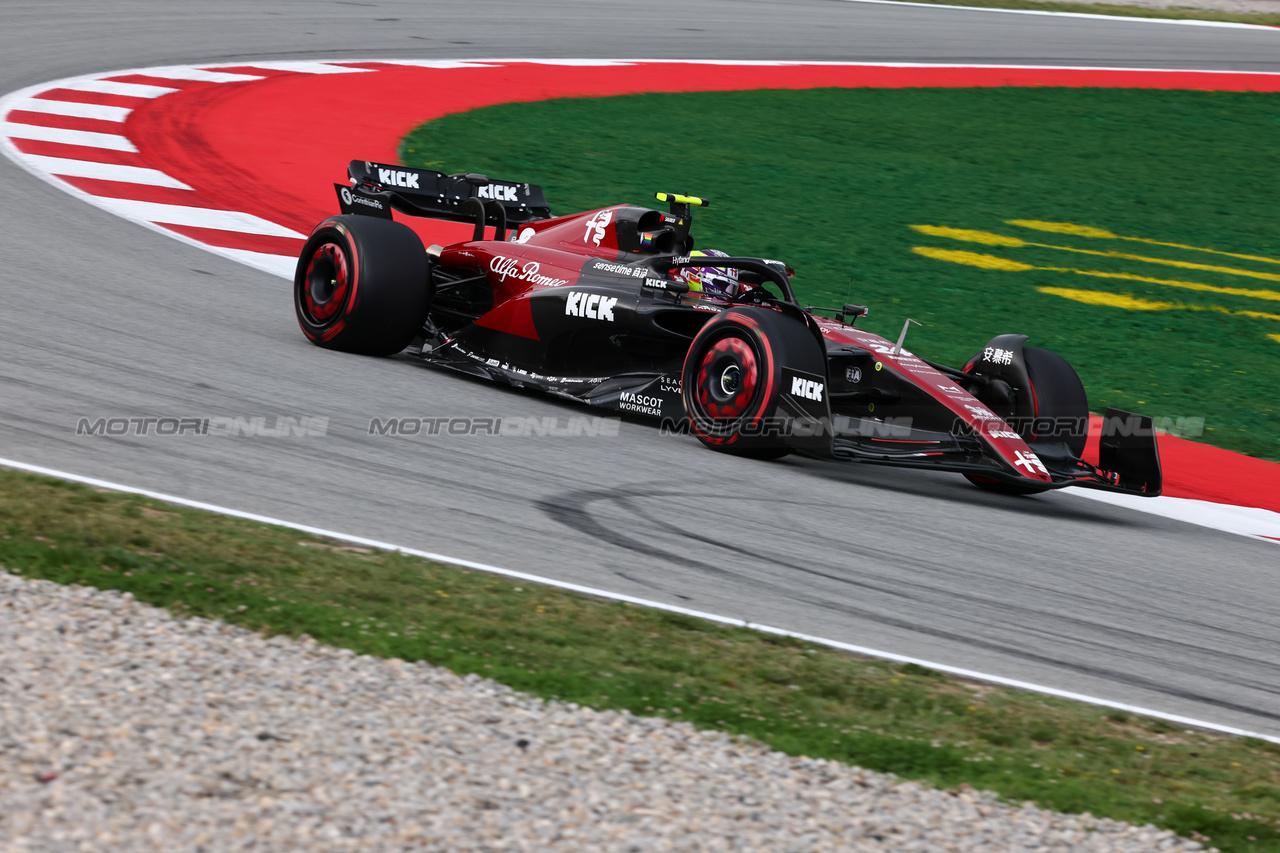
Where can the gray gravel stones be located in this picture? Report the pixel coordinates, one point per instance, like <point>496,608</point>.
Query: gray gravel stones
<point>122,728</point>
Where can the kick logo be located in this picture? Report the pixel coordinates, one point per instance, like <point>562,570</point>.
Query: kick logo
<point>497,193</point>
<point>593,306</point>
<point>806,388</point>
<point>394,178</point>
<point>596,226</point>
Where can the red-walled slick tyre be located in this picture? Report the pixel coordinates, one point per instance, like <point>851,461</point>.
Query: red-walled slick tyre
<point>733,376</point>
<point>361,285</point>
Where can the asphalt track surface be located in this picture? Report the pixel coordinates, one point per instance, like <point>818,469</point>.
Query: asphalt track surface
<point>99,317</point>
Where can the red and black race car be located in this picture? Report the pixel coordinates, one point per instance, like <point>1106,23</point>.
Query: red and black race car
<point>591,307</point>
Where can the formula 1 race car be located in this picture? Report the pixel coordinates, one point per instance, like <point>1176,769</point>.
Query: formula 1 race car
<point>592,307</point>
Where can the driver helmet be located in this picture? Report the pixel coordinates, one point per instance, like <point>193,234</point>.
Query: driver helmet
<point>713,281</point>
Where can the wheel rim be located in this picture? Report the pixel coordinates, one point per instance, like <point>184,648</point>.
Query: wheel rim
<point>727,380</point>
<point>326,282</point>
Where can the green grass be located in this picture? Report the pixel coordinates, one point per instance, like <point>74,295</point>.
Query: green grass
<point>1188,12</point>
<point>832,180</point>
<point>796,697</point>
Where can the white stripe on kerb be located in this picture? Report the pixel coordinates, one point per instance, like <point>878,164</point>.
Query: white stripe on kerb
<point>1243,520</point>
<point>439,64</point>
<point>112,87</point>
<point>201,75</point>
<point>87,138</point>
<point>305,67</point>
<point>100,171</point>
<point>283,266</point>
<point>72,108</point>
<point>196,217</point>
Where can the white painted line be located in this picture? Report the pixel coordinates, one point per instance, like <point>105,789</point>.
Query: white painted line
<point>1190,22</point>
<point>579,63</point>
<point>112,87</point>
<point>869,64</point>
<point>440,64</point>
<point>281,265</point>
<point>1244,520</point>
<point>72,108</point>
<point>300,67</point>
<point>186,72</point>
<point>639,602</point>
<point>196,217</point>
<point>87,138</point>
<point>100,171</point>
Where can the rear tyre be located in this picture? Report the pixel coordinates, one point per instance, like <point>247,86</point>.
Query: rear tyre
<point>733,376</point>
<point>1058,411</point>
<point>361,285</point>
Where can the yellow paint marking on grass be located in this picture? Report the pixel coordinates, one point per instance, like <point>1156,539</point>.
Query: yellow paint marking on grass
<point>991,239</point>
<point>1103,234</point>
<point>1275,338</point>
<point>1114,300</point>
<point>1186,265</point>
<point>1257,314</point>
<point>992,262</point>
<point>1133,303</point>
<point>1273,295</point>
<point>973,259</point>
<point>1064,228</point>
<point>986,237</point>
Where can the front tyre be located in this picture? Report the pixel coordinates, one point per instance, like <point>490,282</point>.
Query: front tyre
<point>732,379</point>
<point>361,285</point>
<point>1057,411</point>
<point>1058,401</point>
<point>729,393</point>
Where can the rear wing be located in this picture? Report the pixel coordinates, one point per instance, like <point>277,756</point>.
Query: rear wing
<point>376,189</point>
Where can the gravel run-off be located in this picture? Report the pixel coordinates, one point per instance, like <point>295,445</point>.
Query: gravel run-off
<point>126,729</point>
